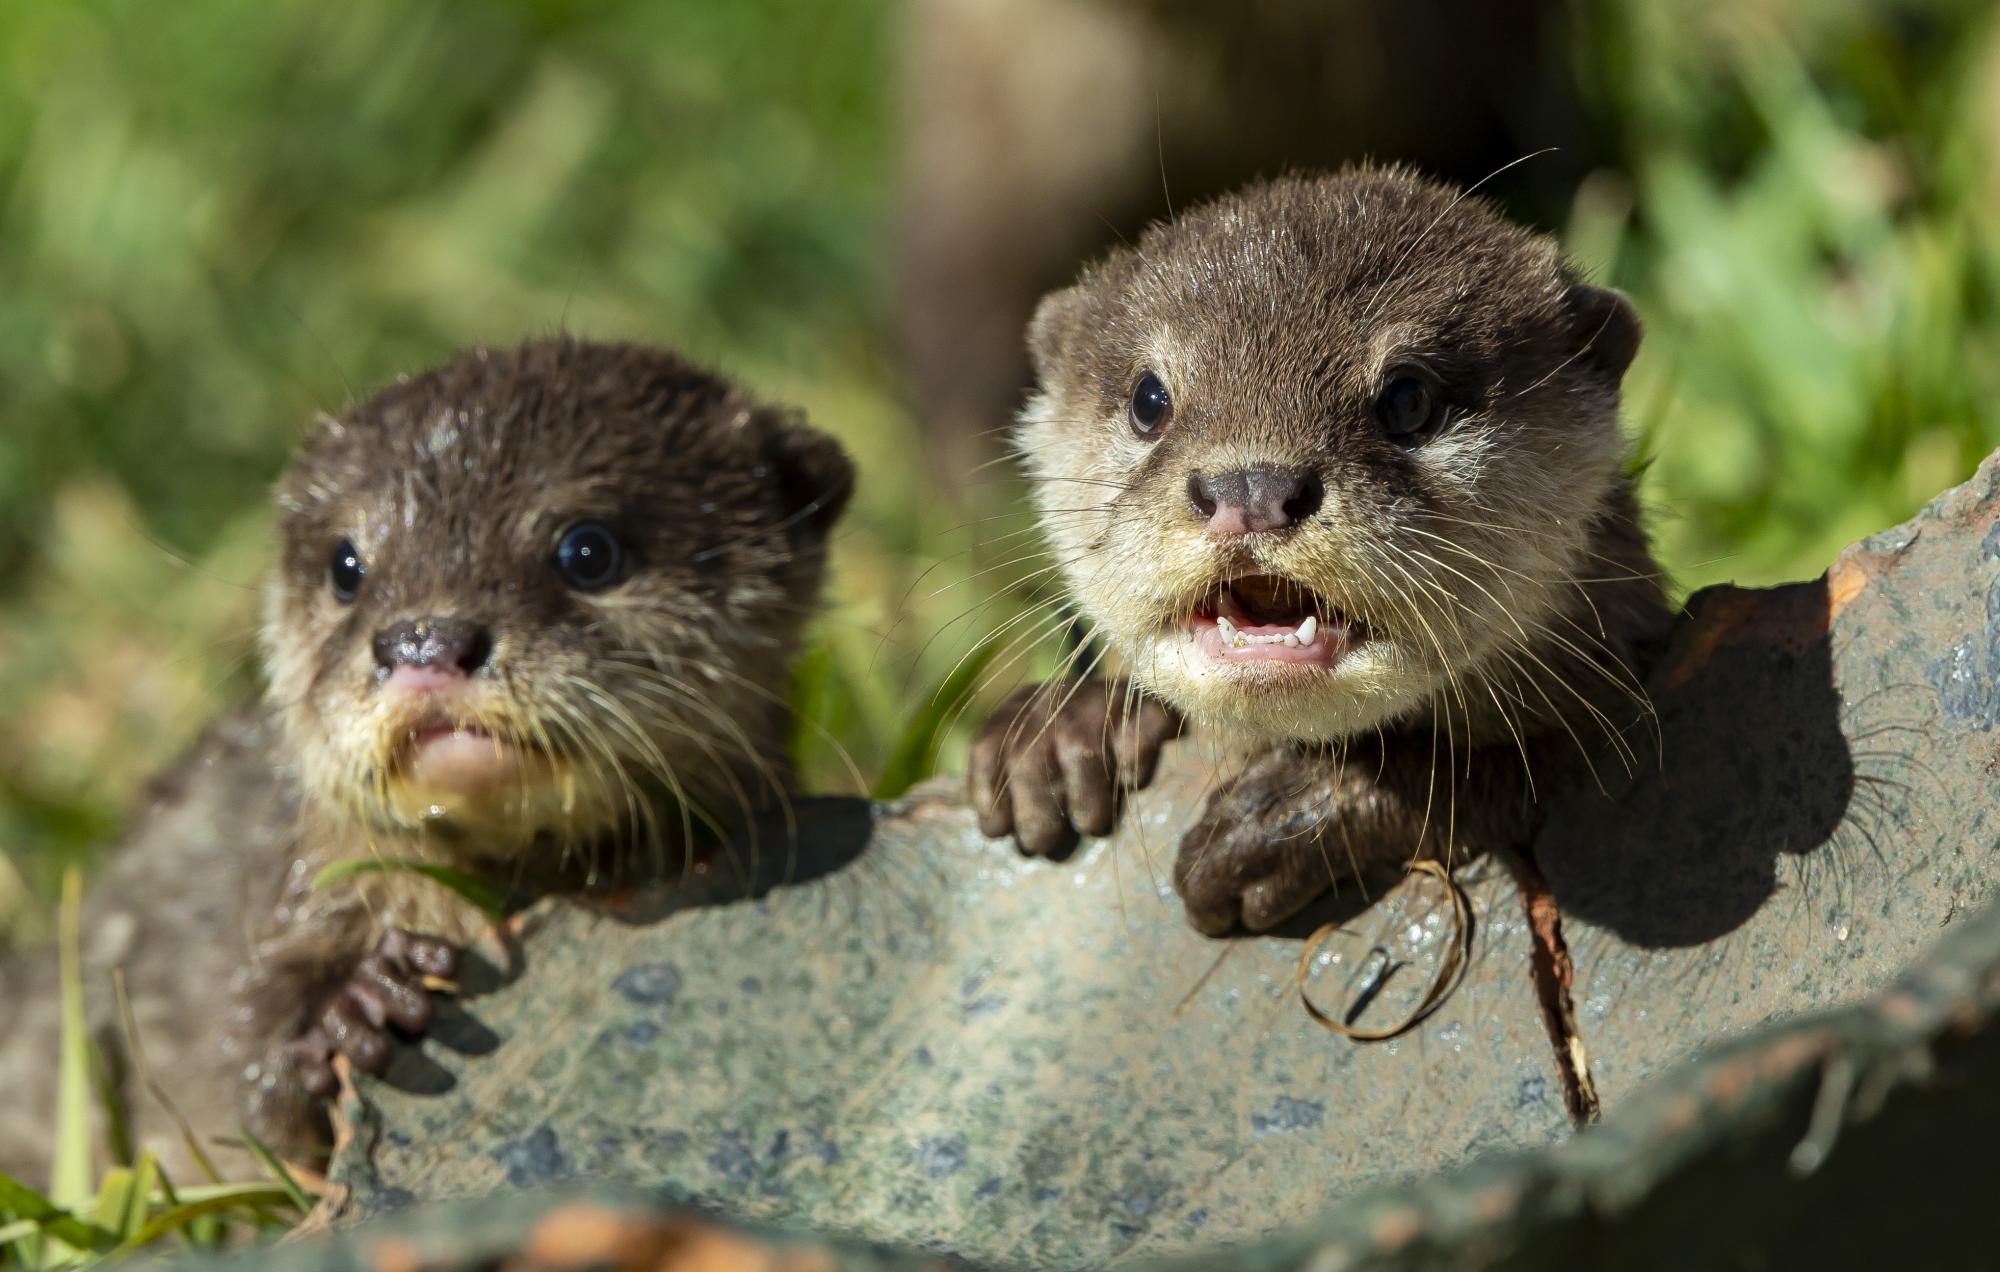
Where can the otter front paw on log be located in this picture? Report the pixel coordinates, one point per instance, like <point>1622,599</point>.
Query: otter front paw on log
<point>1333,466</point>
<point>523,624</point>
<point>1055,759</point>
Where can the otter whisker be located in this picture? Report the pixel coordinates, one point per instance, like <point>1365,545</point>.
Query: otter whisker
<point>746,751</point>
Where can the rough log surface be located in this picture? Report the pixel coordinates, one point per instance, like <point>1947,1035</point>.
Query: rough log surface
<point>1840,1140</point>
<point>926,1040</point>
<point>918,1041</point>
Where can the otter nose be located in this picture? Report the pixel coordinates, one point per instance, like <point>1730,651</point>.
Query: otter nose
<point>1266,497</point>
<point>448,645</point>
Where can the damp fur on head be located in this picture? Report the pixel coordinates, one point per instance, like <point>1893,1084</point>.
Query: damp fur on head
<point>648,699</point>
<point>1273,315</point>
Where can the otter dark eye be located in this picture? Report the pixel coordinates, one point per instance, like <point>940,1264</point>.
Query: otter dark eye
<point>1151,407</point>
<point>588,556</point>
<point>345,574</point>
<point>1407,407</point>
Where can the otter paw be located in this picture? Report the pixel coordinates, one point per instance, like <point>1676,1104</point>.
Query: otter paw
<point>1052,762</point>
<point>383,991</point>
<point>1263,847</point>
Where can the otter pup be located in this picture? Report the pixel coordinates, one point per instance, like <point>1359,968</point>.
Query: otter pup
<point>523,622</point>
<point>1333,464</point>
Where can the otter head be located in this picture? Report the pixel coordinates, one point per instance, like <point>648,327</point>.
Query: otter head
<point>544,592</point>
<point>1327,449</point>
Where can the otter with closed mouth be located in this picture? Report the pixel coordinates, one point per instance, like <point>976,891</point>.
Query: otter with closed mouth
<point>1333,465</point>
<point>522,624</point>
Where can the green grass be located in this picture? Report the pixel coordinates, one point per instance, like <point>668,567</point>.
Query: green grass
<point>86,1217</point>
<point>1807,223</point>
<point>218,219</point>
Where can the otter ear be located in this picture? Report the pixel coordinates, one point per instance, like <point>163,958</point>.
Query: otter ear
<point>1606,327</point>
<point>813,475</point>
<point>1050,330</point>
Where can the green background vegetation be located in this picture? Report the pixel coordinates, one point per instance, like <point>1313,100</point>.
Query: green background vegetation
<point>216,218</point>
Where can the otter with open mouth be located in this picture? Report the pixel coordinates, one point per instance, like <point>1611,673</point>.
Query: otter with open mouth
<point>523,623</point>
<point>1333,467</point>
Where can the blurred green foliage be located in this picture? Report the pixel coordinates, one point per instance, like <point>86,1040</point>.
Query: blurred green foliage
<point>1805,214</point>
<point>216,219</point>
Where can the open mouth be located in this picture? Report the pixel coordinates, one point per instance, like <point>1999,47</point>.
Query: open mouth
<point>460,755</point>
<point>1264,618</point>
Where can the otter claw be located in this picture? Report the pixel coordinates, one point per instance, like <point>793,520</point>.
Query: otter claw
<point>310,1062</point>
<point>383,995</point>
<point>1053,761</point>
<point>1258,854</point>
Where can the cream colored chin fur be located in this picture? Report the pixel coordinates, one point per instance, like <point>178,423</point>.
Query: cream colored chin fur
<point>1372,686</point>
<point>395,817</point>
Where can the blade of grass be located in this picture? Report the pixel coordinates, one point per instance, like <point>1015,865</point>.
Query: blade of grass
<point>208,1192</point>
<point>146,1176</point>
<point>917,745</point>
<point>117,1117</point>
<point>50,1219</point>
<point>201,1234</point>
<point>198,1233</point>
<point>69,1175</point>
<point>114,1199</point>
<point>245,1197</point>
<point>22,1237</point>
<point>470,887</point>
<point>209,1232</point>
<point>129,1023</point>
<point>283,1176</point>
<point>17,1231</point>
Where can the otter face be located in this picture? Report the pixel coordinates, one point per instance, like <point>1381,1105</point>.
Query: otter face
<point>531,592</point>
<point>1324,453</point>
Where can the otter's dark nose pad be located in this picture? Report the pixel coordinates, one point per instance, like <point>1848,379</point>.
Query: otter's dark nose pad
<point>441,644</point>
<point>1246,500</point>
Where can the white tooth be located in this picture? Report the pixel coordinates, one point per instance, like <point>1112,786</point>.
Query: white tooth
<point>1291,640</point>
<point>1308,629</point>
<point>1227,628</point>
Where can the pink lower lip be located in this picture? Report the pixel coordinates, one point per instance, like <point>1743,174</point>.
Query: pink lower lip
<point>460,759</point>
<point>1327,647</point>
<point>1332,637</point>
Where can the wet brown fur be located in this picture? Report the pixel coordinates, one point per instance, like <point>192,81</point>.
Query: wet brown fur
<point>654,699</point>
<point>1499,563</point>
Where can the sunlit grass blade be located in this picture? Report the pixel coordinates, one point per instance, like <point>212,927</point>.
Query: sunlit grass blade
<point>470,887</point>
<point>49,1219</point>
<point>200,1234</point>
<point>20,1240</point>
<point>17,1232</point>
<point>114,1198</point>
<point>146,1176</point>
<point>248,1198</point>
<point>69,1176</point>
<point>281,1174</point>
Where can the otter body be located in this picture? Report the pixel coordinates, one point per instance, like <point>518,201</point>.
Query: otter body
<point>521,624</point>
<point>1334,466</point>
